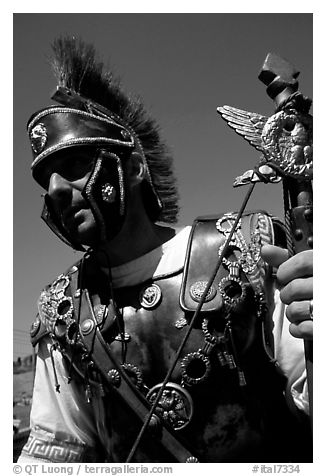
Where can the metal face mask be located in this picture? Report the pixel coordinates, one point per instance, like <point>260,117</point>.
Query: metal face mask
<point>57,128</point>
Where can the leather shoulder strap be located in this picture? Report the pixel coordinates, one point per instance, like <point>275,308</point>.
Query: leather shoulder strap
<point>204,244</point>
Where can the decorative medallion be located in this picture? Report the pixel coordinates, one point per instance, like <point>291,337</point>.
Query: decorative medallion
<point>175,407</point>
<point>54,306</point>
<point>38,137</point>
<point>59,286</point>
<point>197,290</point>
<point>150,296</point>
<point>195,368</point>
<point>109,193</point>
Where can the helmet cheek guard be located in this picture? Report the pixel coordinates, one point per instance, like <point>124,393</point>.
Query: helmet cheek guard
<point>105,192</point>
<point>106,195</point>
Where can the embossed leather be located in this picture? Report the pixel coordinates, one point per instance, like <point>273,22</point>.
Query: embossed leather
<point>231,423</point>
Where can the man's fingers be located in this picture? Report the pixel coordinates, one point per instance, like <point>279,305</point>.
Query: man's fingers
<point>298,266</point>
<point>289,269</point>
<point>302,330</point>
<point>297,290</point>
<point>298,311</point>
<point>274,255</point>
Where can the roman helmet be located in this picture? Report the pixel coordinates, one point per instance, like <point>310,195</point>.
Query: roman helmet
<point>95,112</point>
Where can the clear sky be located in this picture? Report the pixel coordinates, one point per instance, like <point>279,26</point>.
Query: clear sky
<point>183,66</point>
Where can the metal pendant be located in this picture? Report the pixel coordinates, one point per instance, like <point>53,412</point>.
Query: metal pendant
<point>175,407</point>
<point>150,296</point>
<point>54,306</point>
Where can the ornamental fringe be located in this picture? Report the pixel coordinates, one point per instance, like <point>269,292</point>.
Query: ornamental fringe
<point>77,67</point>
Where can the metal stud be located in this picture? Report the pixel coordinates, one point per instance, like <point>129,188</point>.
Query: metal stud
<point>87,326</point>
<point>109,193</point>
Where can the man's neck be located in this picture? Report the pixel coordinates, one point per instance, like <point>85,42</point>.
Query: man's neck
<point>135,240</point>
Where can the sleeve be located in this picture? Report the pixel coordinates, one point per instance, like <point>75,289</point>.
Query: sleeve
<point>63,426</point>
<point>289,353</point>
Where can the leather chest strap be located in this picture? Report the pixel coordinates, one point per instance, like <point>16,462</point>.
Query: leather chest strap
<point>104,361</point>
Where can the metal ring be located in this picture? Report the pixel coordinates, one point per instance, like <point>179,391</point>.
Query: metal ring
<point>230,250</point>
<point>228,299</point>
<point>195,359</point>
<point>225,217</point>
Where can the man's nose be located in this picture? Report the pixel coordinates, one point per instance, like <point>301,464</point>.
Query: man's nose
<point>60,189</point>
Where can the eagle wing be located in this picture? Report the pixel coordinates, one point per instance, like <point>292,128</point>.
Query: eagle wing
<point>248,124</point>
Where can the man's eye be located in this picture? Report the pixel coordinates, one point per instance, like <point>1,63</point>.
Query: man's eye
<point>75,169</point>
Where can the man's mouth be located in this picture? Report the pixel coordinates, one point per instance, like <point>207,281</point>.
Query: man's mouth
<point>71,214</point>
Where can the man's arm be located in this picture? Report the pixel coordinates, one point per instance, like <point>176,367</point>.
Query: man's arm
<point>63,426</point>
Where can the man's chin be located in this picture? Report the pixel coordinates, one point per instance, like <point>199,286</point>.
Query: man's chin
<point>85,235</point>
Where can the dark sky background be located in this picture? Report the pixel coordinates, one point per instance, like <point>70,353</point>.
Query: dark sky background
<point>183,66</point>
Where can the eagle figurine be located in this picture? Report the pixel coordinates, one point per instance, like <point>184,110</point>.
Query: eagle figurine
<point>284,140</point>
